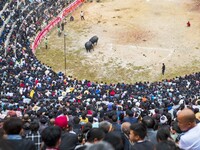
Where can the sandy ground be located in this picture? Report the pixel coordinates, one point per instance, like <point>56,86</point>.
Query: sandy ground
<point>140,34</point>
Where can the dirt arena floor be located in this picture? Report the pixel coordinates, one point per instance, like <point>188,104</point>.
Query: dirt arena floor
<point>135,38</point>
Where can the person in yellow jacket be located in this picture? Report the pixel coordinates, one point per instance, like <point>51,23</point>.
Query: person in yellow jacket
<point>32,93</point>
<point>83,118</point>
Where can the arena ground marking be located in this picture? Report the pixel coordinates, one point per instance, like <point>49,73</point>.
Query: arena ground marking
<point>171,51</point>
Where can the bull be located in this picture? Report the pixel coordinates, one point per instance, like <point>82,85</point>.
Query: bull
<point>94,40</point>
<point>89,46</point>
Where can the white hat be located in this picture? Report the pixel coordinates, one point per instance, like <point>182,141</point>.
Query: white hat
<point>137,104</point>
<point>181,102</point>
<point>163,119</point>
<point>135,100</point>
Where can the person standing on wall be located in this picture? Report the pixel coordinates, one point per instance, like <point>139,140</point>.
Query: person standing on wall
<point>163,69</point>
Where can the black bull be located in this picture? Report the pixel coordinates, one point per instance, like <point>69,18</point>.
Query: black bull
<point>94,40</point>
<point>88,46</point>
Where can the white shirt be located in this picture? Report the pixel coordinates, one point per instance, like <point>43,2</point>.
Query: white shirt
<point>190,140</point>
<point>82,14</point>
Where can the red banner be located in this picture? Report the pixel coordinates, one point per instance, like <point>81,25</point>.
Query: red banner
<point>71,8</point>
<point>44,32</point>
<point>54,22</point>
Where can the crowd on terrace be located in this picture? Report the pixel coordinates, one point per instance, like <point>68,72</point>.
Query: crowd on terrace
<point>35,98</point>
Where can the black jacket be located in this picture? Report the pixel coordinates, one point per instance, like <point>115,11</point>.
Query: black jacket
<point>145,145</point>
<point>22,144</point>
<point>68,141</point>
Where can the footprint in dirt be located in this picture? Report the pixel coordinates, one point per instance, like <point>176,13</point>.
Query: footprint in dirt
<point>116,9</point>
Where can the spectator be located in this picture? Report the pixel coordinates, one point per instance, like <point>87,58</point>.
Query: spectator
<point>12,128</point>
<point>163,134</point>
<point>163,122</point>
<point>68,140</point>
<point>125,128</point>
<point>30,87</point>
<point>150,123</point>
<point>105,126</point>
<point>137,135</point>
<point>187,123</point>
<point>77,126</point>
<point>130,118</point>
<point>1,128</point>
<point>100,146</point>
<point>166,145</point>
<point>175,131</point>
<point>115,125</point>
<point>43,123</point>
<point>51,137</point>
<point>34,134</point>
<point>83,118</point>
<point>115,140</point>
<point>94,136</point>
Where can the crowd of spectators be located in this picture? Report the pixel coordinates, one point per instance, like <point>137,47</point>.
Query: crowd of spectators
<point>68,113</point>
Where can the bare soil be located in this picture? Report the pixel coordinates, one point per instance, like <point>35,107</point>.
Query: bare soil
<point>135,38</point>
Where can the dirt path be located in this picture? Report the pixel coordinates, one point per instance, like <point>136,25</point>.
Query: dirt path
<point>135,38</point>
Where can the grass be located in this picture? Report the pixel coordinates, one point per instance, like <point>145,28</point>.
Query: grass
<point>109,72</point>
<point>184,70</point>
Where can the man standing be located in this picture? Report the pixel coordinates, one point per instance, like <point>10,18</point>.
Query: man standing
<point>63,26</point>
<point>59,30</point>
<point>71,18</point>
<point>187,123</point>
<point>188,24</point>
<point>46,43</point>
<point>82,15</point>
<point>163,69</point>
